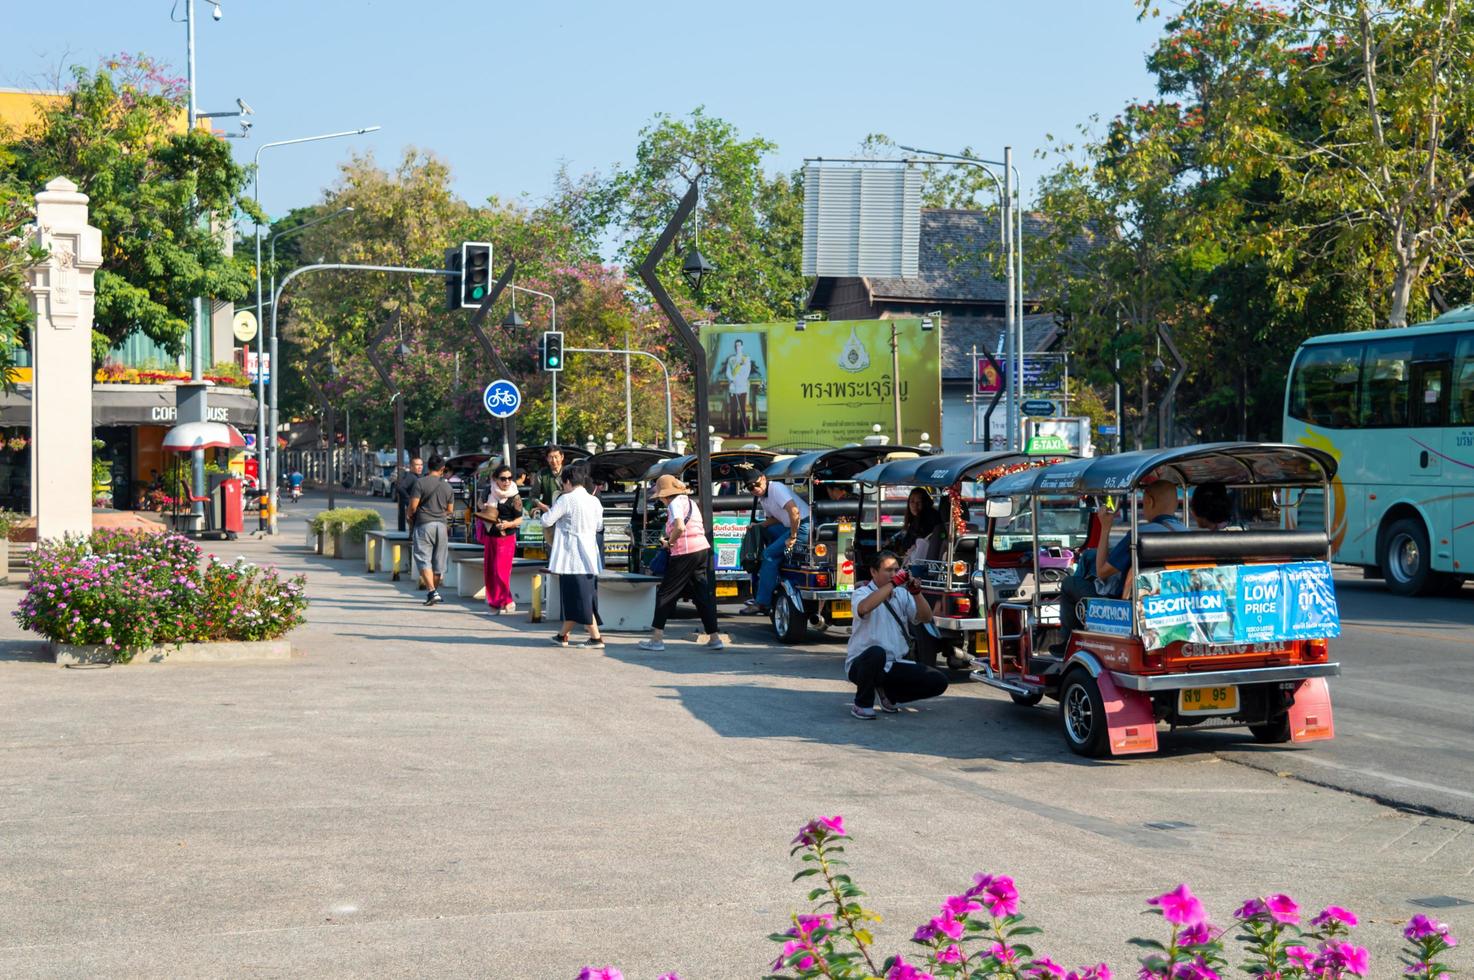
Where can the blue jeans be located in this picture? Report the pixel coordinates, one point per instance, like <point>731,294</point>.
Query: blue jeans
<point>767,576</point>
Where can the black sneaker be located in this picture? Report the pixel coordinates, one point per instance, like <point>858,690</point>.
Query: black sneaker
<point>433,598</point>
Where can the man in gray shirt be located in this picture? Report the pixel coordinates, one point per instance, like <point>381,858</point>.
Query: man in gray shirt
<point>430,503</point>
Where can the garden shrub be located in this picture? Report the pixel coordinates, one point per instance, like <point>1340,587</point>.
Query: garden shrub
<point>130,591</point>
<point>355,522</point>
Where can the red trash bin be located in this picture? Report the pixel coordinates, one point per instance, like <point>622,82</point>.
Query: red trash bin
<point>233,505</point>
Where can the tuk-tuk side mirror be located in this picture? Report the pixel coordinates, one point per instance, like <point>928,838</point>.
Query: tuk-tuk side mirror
<point>998,508</point>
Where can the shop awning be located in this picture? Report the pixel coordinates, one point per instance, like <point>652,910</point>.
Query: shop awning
<point>114,404</point>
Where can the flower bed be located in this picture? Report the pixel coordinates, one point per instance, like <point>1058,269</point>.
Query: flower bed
<point>129,592</point>
<point>977,933</point>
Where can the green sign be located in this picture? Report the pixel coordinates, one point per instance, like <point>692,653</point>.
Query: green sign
<point>1047,446</point>
<point>727,532</point>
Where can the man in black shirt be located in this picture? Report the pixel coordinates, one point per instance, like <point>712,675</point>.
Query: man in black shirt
<point>430,503</point>
<point>403,484</point>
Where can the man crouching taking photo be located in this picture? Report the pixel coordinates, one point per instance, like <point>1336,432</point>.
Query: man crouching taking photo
<point>877,661</point>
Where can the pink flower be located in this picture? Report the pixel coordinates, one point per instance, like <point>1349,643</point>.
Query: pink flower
<point>1195,935</point>
<point>952,954</point>
<point>1097,972</point>
<point>600,973</point>
<point>960,905</point>
<point>669,976</point>
<point>948,925</point>
<point>834,824</point>
<point>1301,956</point>
<point>1282,908</point>
<point>1000,896</point>
<point>808,923</point>
<point>924,934</point>
<point>1180,906</point>
<point>789,948</point>
<point>1198,969</point>
<point>1046,969</point>
<point>1001,954</point>
<point>1351,958</point>
<point>901,970</point>
<point>979,882</point>
<point>1334,913</point>
<point>1421,927</point>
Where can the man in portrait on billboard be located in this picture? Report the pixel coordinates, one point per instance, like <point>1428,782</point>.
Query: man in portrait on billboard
<point>739,385</point>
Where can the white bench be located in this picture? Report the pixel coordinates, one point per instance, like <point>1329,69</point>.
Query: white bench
<point>471,579</point>
<point>461,551</point>
<point>626,600</point>
<point>391,545</point>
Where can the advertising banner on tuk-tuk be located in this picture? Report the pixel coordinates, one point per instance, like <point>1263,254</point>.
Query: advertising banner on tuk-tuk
<point>1238,604</point>
<point>727,531</point>
<point>823,386</point>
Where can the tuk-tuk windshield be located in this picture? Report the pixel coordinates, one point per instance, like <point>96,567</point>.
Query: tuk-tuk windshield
<point>1063,523</point>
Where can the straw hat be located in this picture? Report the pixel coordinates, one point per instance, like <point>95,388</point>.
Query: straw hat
<point>669,486</point>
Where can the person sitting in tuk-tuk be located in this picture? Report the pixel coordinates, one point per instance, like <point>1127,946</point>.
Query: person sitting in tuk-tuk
<point>1212,509</point>
<point>922,520</point>
<point>838,491</point>
<point>1107,578</point>
<point>787,523</point>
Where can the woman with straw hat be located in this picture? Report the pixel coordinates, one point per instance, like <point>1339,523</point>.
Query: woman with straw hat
<point>686,571</point>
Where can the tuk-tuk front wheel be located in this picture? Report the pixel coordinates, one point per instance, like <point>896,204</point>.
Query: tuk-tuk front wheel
<point>1082,714</point>
<point>788,622</point>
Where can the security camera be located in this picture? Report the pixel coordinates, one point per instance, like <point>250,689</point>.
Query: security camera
<point>244,107</point>
<point>217,14</point>
<point>246,125</point>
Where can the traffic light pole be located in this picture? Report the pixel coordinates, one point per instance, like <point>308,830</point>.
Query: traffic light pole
<point>509,424</point>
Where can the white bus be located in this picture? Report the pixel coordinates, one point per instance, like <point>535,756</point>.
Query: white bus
<point>1396,409</point>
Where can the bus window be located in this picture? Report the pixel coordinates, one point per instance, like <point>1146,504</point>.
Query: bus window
<point>1430,391</point>
<point>1384,383</point>
<point>1461,403</point>
<point>1324,391</point>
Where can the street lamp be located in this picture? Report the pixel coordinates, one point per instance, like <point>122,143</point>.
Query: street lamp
<point>275,420</point>
<point>513,320</point>
<point>696,268</point>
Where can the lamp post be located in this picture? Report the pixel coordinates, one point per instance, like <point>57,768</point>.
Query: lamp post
<point>1011,236</point>
<point>262,426</point>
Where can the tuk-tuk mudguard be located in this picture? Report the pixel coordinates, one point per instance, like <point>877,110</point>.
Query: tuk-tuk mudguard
<point>1131,725</point>
<point>1310,715</point>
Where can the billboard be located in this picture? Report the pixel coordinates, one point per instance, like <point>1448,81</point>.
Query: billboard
<point>1238,604</point>
<point>826,385</point>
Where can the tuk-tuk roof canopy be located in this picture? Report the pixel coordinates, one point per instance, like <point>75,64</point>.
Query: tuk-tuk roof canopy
<point>937,471</point>
<point>625,465</point>
<point>835,464</point>
<point>1233,463</point>
<point>722,464</point>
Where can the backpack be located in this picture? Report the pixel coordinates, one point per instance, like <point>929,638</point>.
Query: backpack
<point>750,555</point>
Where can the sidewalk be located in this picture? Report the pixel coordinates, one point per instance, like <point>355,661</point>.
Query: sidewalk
<point>435,791</point>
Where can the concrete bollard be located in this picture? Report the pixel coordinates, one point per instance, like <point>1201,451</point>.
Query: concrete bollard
<point>395,554</point>
<point>537,599</point>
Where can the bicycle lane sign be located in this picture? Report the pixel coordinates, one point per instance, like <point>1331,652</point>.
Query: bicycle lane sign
<point>502,399</point>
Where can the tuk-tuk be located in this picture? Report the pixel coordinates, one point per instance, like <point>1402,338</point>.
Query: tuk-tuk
<point>731,512</point>
<point>1212,628</point>
<point>617,475</point>
<point>956,484</point>
<point>529,461</point>
<point>816,578</point>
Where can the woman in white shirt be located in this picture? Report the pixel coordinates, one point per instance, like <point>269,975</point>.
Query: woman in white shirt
<point>574,558</point>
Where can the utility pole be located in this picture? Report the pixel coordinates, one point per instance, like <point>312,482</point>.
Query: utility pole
<point>896,381</point>
<point>629,405</point>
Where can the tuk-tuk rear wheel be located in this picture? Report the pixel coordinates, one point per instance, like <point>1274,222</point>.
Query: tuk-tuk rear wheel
<point>789,623</point>
<point>1272,732</point>
<point>1082,714</point>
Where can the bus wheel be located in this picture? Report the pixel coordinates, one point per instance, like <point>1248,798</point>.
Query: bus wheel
<point>1407,560</point>
<point>789,623</point>
<point>1082,714</point>
<point>1272,732</point>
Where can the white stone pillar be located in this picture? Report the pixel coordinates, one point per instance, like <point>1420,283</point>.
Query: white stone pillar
<point>62,298</point>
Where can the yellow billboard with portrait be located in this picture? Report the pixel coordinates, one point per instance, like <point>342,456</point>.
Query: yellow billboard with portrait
<point>823,386</point>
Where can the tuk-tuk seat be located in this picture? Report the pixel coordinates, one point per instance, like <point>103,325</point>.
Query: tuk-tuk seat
<point>1155,550</point>
<point>836,509</point>
<point>826,532</point>
<point>967,546</point>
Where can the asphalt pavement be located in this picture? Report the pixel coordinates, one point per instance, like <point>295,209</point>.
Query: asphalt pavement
<point>437,791</point>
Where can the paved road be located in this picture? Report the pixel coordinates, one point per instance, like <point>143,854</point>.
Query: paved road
<point>436,791</point>
<point>1404,705</point>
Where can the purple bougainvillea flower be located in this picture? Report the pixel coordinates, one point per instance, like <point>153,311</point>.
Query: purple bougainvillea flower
<point>1282,909</point>
<point>1180,906</point>
<point>979,882</point>
<point>901,970</point>
<point>948,925</point>
<point>1334,913</point>
<point>1301,956</point>
<point>1000,896</point>
<point>960,905</point>
<point>1252,909</point>
<point>924,934</point>
<point>1045,968</point>
<point>1421,927</point>
<point>1195,935</point>
<point>600,973</point>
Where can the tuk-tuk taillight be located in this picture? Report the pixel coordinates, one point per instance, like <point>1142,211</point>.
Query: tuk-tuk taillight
<point>1317,649</point>
<point>820,550</point>
<point>963,605</point>
<point>821,580</point>
<point>1154,660</point>
<point>959,568</point>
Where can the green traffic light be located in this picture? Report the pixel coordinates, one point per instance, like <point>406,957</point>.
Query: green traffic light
<point>477,292</point>
<point>552,362</point>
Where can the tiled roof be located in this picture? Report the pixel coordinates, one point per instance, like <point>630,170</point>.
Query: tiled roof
<point>961,333</point>
<point>956,263</point>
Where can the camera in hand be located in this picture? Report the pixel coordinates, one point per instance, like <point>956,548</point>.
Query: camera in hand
<point>899,579</point>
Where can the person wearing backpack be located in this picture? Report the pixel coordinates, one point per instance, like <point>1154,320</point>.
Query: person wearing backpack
<point>877,659</point>
<point>686,567</point>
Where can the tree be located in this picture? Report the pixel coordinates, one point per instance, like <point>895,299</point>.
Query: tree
<point>749,224</point>
<point>18,252</point>
<point>117,135</point>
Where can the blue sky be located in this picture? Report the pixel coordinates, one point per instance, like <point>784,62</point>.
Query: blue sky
<point>506,92</point>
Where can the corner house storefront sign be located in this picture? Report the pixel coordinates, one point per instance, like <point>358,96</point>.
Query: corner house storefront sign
<point>123,404</point>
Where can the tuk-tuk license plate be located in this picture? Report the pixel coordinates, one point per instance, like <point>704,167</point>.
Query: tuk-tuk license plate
<point>726,591</point>
<point>839,609</point>
<point>1207,700</point>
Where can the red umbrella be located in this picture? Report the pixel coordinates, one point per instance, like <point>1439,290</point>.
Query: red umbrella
<point>189,436</point>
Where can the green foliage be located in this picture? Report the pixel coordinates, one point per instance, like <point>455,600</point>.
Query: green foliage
<point>355,522</point>
<point>18,252</point>
<point>154,191</point>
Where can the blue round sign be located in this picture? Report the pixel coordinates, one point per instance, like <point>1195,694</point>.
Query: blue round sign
<point>502,399</point>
